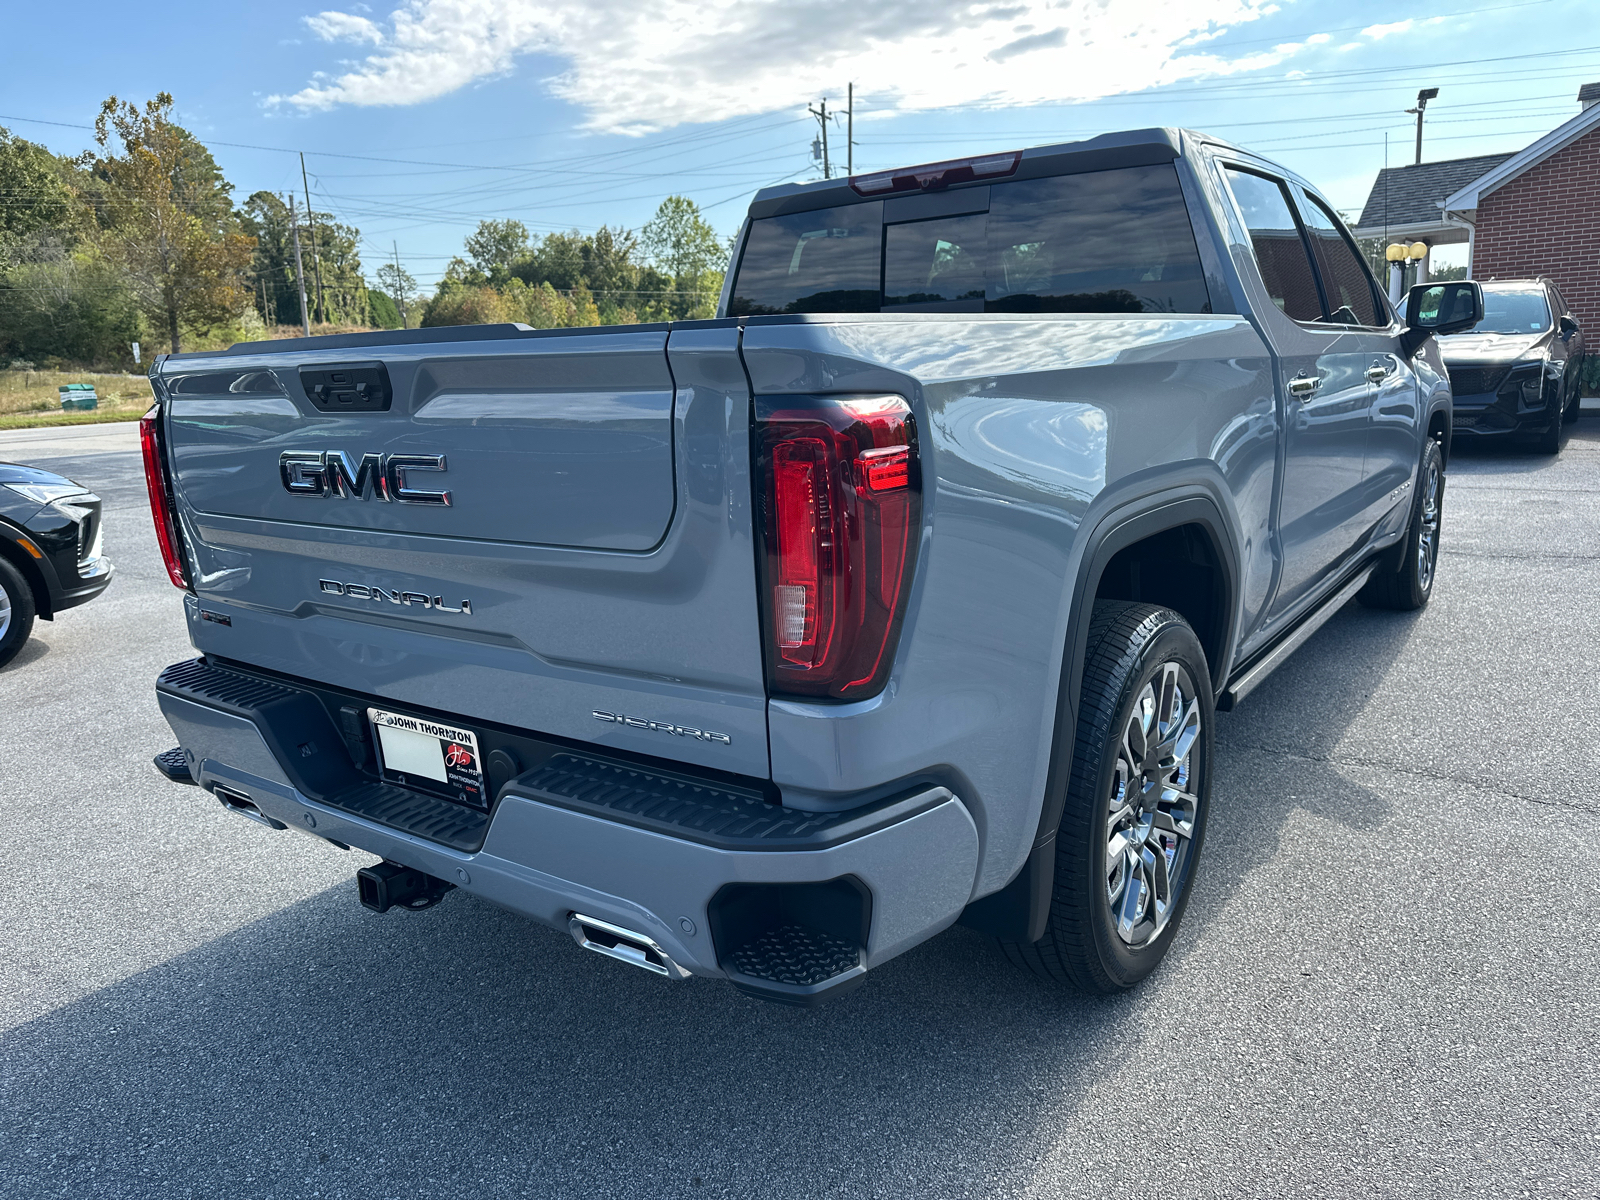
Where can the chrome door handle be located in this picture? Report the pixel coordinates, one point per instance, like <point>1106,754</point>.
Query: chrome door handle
<point>1302,386</point>
<point>1377,372</point>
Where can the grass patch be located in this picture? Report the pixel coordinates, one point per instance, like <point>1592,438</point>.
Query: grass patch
<point>43,420</point>
<point>30,398</point>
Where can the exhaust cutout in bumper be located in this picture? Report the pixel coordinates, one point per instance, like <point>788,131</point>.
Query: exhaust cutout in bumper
<point>623,945</point>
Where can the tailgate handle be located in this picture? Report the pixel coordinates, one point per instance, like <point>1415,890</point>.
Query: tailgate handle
<point>348,387</point>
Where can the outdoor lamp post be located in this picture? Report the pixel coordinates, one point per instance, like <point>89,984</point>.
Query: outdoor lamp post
<point>1417,252</point>
<point>1396,254</point>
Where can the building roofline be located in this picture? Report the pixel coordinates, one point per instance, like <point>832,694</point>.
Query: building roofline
<point>1524,160</point>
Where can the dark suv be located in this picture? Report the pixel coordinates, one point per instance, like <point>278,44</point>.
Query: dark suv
<point>1516,374</point>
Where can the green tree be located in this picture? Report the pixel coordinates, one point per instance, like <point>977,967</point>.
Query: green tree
<point>265,217</point>
<point>680,242</point>
<point>166,220</point>
<point>398,283</point>
<point>34,194</point>
<point>466,304</point>
<point>495,247</point>
<point>385,315</point>
<point>58,298</point>
<point>683,246</point>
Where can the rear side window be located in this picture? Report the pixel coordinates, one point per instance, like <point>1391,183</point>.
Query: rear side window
<point>1280,250</point>
<point>1108,241</point>
<point>1346,281</point>
<point>1115,241</point>
<point>826,260</point>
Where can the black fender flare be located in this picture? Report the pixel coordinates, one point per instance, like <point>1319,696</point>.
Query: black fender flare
<point>1132,511</point>
<point>40,575</point>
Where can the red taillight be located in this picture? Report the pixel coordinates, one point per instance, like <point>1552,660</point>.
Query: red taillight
<point>155,479</point>
<point>842,508</point>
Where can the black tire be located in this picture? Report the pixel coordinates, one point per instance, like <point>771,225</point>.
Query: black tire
<point>16,611</point>
<point>1404,579</point>
<point>1574,405</point>
<point>1131,647</point>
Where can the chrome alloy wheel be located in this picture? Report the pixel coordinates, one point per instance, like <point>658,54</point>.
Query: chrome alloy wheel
<point>1428,531</point>
<point>5,612</point>
<point>1153,805</point>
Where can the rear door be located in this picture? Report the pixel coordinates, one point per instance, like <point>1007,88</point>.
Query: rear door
<point>1325,391</point>
<point>525,527</point>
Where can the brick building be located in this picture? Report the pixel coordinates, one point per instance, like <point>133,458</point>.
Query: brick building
<point>1538,213</point>
<point>1535,212</point>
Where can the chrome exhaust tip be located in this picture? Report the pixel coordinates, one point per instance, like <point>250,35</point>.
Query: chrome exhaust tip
<point>624,945</point>
<point>236,801</point>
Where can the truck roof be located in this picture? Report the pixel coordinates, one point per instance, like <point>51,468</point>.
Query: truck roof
<point>1129,148</point>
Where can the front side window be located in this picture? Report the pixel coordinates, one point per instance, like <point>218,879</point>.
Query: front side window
<point>1280,250</point>
<point>1349,288</point>
<point>825,260</point>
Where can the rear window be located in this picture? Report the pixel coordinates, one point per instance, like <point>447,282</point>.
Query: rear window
<point>1115,241</point>
<point>826,260</point>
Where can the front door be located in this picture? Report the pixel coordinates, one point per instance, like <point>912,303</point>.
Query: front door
<point>1373,342</point>
<point>1325,394</point>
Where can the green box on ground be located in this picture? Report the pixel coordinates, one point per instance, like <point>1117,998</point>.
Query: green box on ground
<point>78,397</point>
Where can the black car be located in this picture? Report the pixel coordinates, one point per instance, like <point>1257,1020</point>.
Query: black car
<point>49,550</point>
<point>1516,374</point>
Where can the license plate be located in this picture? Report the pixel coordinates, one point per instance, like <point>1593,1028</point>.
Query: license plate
<point>432,756</point>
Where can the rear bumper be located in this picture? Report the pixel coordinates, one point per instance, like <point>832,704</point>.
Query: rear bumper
<point>547,861</point>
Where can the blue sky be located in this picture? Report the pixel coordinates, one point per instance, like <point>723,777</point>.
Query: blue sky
<point>420,118</point>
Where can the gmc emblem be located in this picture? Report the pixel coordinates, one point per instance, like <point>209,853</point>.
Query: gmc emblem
<point>333,473</point>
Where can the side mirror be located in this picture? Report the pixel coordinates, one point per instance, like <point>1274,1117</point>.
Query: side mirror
<point>1441,308</point>
<point>1569,326</point>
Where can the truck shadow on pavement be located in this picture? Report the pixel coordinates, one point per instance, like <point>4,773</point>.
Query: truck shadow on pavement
<point>464,1051</point>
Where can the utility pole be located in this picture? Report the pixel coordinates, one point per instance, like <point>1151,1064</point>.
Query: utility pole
<point>316,259</point>
<point>822,116</point>
<point>399,291</point>
<point>299,269</point>
<point>1423,97</point>
<point>850,130</point>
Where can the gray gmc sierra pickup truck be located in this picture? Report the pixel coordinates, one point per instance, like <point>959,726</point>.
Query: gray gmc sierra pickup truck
<point>903,593</point>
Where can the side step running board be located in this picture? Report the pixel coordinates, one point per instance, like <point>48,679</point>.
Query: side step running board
<point>1242,684</point>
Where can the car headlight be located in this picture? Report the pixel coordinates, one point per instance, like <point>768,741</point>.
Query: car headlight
<point>46,493</point>
<point>1526,382</point>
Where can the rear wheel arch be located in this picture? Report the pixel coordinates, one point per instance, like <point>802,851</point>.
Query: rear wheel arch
<point>1168,526</point>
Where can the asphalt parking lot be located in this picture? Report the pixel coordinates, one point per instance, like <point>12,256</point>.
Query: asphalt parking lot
<point>1385,985</point>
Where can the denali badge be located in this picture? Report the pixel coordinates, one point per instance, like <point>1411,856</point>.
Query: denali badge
<point>333,473</point>
<point>366,591</point>
<point>700,735</point>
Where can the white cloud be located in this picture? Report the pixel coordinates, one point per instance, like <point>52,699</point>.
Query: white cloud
<point>1382,31</point>
<point>634,67</point>
<point>346,27</point>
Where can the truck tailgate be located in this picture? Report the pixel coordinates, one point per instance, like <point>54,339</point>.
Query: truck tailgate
<point>538,527</point>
